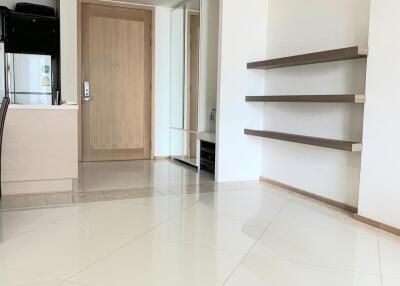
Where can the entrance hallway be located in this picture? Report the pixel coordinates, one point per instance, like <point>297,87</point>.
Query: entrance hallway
<point>159,224</point>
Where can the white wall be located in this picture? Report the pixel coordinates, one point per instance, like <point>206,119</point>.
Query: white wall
<point>69,50</point>
<point>208,62</point>
<point>296,27</point>
<point>162,81</point>
<point>380,185</point>
<point>11,3</point>
<point>242,39</point>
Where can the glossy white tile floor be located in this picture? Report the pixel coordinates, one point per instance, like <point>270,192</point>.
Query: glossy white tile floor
<point>191,232</point>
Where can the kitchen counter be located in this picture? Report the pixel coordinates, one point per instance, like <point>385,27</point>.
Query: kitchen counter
<point>40,149</point>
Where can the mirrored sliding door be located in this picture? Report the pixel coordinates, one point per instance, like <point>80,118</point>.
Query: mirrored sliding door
<point>185,59</point>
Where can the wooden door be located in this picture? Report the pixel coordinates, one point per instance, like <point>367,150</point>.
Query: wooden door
<point>193,79</point>
<point>116,61</point>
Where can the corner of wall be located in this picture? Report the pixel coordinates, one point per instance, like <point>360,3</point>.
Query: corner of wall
<point>242,39</point>
<point>162,88</point>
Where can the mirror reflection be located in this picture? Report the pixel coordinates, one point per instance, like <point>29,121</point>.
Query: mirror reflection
<point>185,70</point>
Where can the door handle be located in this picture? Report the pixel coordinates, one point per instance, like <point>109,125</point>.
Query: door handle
<point>86,91</point>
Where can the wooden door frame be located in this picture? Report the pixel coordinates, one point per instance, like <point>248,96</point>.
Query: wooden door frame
<point>79,47</point>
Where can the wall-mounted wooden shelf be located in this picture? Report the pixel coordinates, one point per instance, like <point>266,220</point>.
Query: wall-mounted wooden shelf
<point>314,141</point>
<point>312,58</point>
<point>342,98</point>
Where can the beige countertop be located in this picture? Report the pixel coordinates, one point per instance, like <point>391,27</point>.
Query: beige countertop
<point>43,107</point>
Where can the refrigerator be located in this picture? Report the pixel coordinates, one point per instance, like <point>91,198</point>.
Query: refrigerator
<point>29,79</point>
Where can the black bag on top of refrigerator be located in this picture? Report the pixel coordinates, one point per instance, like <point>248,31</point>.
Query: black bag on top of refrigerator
<point>3,14</point>
<point>31,34</point>
<point>35,9</point>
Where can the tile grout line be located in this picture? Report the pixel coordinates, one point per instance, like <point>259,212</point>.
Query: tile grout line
<point>315,265</point>
<point>107,198</point>
<point>68,278</point>
<point>30,230</point>
<point>379,255</point>
<point>70,282</point>
<point>46,224</point>
<point>254,244</point>
<point>73,202</point>
<point>194,245</point>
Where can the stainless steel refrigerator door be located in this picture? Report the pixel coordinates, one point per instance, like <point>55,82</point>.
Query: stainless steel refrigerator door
<point>2,72</point>
<point>31,79</point>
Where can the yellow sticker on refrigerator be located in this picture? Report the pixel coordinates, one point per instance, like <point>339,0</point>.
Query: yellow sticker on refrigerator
<point>45,81</point>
